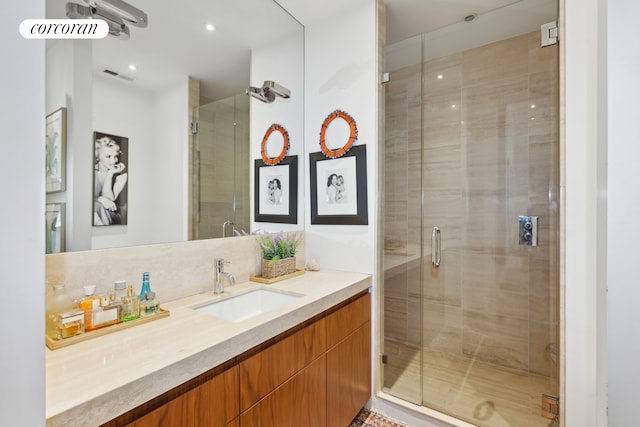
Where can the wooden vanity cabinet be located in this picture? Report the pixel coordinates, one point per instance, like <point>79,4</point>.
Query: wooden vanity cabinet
<point>315,374</point>
<point>209,400</point>
<point>268,366</point>
<point>348,361</point>
<point>332,365</point>
<point>300,401</point>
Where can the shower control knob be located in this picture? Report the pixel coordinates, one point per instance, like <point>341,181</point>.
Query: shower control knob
<point>528,230</point>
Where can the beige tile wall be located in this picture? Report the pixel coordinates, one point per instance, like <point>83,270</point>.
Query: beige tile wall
<point>487,157</point>
<point>176,270</point>
<point>223,141</point>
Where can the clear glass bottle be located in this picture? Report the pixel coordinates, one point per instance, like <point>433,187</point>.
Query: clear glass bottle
<point>62,320</point>
<point>150,305</point>
<point>58,302</point>
<point>146,287</point>
<point>130,305</point>
<point>120,290</point>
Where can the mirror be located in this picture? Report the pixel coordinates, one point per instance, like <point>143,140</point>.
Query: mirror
<point>164,91</point>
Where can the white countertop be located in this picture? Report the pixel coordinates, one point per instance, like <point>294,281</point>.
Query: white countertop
<point>94,381</point>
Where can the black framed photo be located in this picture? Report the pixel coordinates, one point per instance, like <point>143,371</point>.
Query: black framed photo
<point>110,176</point>
<point>339,188</point>
<point>276,191</point>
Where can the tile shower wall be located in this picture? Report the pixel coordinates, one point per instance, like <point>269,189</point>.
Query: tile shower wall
<point>490,153</point>
<point>223,139</point>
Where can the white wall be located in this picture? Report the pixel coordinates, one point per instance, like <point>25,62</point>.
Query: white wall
<point>22,113</point>
<point>157,127</point>
<point>341,73</point>
<point>168,161</point>
<point>282,62</point>
<point>624,210</point>
<point>125,111</point>
<point>68,84</point>
<point>583,213</point>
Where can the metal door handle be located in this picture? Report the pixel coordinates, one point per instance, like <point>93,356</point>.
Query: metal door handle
<point>435,247</point>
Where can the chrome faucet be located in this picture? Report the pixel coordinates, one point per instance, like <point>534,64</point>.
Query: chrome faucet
<point>220,275</point>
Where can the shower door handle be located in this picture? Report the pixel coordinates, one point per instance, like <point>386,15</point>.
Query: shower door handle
<point>436,247</point>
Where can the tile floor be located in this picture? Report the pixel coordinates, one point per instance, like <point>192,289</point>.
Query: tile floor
<point>479,393</point>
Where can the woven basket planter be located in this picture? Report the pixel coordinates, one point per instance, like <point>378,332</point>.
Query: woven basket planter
<point>278,268</point>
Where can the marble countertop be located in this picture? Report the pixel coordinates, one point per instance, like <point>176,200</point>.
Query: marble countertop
<point>94,381</point>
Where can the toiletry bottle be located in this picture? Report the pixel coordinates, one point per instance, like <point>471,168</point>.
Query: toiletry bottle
<point>130,305</point>
<point>88,304</point>
<point>150,305</point>
<point>57,303</point>
<point>120,290</point>
<point>146,287</point>
<point>105,314</point>
<point>61,319</point>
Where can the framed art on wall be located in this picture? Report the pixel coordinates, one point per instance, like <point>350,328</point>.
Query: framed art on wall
<point>276,191</point>
<point>56,145</point>
<point>55,228</point>
<point>111,158</point>
<point>339,188</point>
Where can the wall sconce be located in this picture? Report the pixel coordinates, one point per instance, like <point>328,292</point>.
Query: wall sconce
<point>116,13</point>
<point>129,14</point>
<point>117,28</point>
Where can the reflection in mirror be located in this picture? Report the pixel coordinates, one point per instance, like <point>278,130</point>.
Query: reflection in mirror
<point>220,168</point>
<point>176,90</point>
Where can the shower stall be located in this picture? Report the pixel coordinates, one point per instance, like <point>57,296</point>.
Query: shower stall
<point>470,299</point>
<point>220,168</point>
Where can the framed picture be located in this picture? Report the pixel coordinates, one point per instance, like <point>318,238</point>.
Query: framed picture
<point>110,177</point>
<point>56,146</point>
<point>55,229</point>
<point>339,188</point>
<point>276,191</point>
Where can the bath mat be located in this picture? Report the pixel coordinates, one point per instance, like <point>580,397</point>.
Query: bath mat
<point>368,418</point>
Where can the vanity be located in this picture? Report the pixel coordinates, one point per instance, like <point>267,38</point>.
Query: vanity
<point>306,360</point>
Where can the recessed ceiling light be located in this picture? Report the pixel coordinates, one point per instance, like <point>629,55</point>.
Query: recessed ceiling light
<point>132,67</point>
<point>210,27</point>
<point>440,76</point>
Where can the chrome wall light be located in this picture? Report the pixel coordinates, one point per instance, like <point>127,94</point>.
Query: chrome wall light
<point>116,13</point>
<point>268,92</point>
<point>129,14</point>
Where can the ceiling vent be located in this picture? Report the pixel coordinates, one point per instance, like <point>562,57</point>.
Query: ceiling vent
<point>115,74</point>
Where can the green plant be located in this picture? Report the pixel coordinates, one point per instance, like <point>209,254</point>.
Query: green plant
<point>279,245</point>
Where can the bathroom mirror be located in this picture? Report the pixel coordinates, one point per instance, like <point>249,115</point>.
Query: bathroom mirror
<point>166,88</point>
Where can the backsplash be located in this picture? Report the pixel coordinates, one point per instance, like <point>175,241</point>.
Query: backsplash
<point>176,270</point>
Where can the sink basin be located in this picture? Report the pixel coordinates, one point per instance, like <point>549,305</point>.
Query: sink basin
<point>244,306</point>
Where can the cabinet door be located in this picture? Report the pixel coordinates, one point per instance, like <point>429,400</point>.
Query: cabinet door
<point>349,376</point>
<point>213,403</point>
<point>347,319</point>
<point>301,401</point>
<point>264,371</point>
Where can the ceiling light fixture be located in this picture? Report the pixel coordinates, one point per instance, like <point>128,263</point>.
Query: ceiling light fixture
<point>133,67</point>
<point>210,27</point>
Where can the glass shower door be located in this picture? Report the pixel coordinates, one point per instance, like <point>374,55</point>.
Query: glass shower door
<point>221,168</point>
<point>472,145</point>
